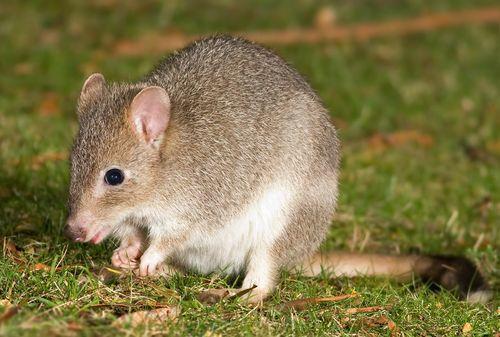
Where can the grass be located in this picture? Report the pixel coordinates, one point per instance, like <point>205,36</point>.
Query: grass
<point>436,191</point>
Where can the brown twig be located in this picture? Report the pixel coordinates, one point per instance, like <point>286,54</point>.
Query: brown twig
<point>132,305</point>
<point>301,304</point>
<point>375,308</point>
<point>160,43</point>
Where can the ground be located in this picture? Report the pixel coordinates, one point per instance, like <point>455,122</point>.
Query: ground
<point>419,119</point>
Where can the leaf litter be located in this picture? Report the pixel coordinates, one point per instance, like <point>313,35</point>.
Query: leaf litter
<point>155,316</point>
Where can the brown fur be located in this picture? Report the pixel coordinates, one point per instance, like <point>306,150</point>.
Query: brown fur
<point>456,274</point>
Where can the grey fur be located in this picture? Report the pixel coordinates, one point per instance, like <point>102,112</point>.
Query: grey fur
<point>241,118</point>
<point>247,117</point>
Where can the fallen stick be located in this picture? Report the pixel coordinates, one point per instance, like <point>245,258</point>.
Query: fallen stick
<point>305,302</point>
<point>375,308</point>
<point>160,43</point>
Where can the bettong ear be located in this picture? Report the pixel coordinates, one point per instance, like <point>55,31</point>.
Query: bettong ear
<point>93,84</point>
<point>150,113</point>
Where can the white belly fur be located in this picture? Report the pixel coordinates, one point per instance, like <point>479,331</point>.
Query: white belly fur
<point>256,228</point>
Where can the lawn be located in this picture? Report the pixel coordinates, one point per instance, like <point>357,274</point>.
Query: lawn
<point>419,119</point>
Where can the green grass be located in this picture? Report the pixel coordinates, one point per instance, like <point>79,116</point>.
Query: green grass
<point>441,198</point>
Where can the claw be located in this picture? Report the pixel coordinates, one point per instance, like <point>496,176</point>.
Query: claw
<point>150,263</point>
<point>126,257</point>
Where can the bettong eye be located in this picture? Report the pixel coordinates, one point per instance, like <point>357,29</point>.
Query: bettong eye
<point>114,177</point>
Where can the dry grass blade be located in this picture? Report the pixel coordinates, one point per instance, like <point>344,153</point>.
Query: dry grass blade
<point>155,316</point>
<point>243,292</point>
<point>108,275</point>
<point>305,302</point>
